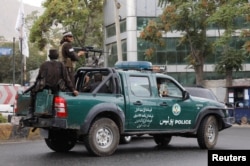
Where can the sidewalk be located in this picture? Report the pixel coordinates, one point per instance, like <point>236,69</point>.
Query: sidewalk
<point>11,132</point>
<point>241,125</point>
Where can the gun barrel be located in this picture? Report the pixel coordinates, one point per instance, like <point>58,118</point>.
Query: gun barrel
<point>87,49</point>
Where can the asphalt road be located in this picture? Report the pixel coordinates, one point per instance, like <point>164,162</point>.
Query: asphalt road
<point>143,151</point>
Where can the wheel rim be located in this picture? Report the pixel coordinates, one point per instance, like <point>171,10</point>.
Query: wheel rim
<point>211,133</point>
<point>104,137</point>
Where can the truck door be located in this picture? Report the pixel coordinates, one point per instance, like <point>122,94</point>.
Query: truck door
<point>174,112</point>
<point>142,107</point>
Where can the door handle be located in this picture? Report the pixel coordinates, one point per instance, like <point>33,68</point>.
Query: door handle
<point>137,103</point>
<point>163,104</point>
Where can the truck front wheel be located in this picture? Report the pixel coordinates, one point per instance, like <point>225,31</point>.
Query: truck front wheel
<point>103,137</point>
<point>60,141</point>
<point>208,133</point>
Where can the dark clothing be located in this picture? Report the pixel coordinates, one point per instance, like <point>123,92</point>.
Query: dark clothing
<point>103,89</point>
<point>69,52</point>
<point>91,87</point>
<point>68,56</point>
<point>51,73</point>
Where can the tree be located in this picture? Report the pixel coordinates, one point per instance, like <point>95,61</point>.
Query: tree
<point>82,17</point>
<point>37,57</point>
<point>190,18</point>
<point>7,66</point>
<point>231,58</point>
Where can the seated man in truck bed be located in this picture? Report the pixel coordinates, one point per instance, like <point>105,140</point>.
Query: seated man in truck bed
<point>52,75</point>
<point>97,80</point>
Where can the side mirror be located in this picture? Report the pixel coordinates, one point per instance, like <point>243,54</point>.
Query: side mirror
<point>185,95</point>
<point>230,105</point>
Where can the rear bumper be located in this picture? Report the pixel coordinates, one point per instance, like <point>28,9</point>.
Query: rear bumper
<point>38,122</point>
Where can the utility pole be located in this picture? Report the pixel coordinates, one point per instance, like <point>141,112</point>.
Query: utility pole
<point>13,63</point>
<point>117,27</point>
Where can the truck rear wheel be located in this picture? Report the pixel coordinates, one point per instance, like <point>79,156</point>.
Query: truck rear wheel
<point>103,137</point>
<point>162,140</point>
<point>59,141</point>
<point>208,133</point>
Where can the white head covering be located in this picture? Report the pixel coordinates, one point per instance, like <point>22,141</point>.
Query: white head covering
<point>67,34</point>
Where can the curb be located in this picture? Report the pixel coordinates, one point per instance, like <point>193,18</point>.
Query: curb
<point>241,125</point>
<point>12,132</point>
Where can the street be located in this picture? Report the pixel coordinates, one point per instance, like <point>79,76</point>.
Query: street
<point>143,151</point>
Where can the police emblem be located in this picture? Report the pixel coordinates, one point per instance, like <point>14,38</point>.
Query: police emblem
<point>176,109</point>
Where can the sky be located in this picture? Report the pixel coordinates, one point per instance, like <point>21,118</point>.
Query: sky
<point>33,2</point>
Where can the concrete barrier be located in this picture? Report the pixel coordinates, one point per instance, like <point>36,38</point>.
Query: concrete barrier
<point>10,132</point>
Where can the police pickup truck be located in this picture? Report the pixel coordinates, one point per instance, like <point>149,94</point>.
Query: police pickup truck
<point>137,101</point>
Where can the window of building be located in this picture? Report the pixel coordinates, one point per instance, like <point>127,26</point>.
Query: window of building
<point>142,22</point>
<point>112,52</point>
<point>110,30</point>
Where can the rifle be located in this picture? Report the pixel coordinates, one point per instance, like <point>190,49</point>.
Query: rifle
<point>88,50</point>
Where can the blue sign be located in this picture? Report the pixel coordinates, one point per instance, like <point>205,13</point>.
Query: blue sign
<point>5,51</point>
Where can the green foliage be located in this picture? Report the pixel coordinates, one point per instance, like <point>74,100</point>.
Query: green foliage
<point>152,33</point>
<point>193,17</point>
<point>230,60</point>
<point>8,66</point>
<point>2,119</point>
<point>83,18</point>
<point>189,18</point>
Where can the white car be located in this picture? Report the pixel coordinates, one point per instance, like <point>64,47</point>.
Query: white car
<point>6,110</point>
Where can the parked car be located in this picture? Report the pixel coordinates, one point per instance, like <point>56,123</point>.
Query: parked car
<point>208,94</point>
<point>202,92</point>
<point>6,110</point>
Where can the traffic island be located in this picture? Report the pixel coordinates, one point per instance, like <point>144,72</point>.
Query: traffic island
<point>13,132</point>
<point>5,131</point>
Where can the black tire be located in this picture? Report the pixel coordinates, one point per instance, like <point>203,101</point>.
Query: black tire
<point>125,139</point>
<point>208,133</point>
<point>103,137</point>
<point>162,140</point>
<point>61,141</point>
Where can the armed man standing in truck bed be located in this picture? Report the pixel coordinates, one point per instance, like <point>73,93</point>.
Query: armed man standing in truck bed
<point>67,54</point>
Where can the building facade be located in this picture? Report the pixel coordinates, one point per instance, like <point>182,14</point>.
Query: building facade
<point>134,16</point>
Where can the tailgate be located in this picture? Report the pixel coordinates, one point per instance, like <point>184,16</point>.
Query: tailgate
<point>44,101</point>
<point>22,103</point>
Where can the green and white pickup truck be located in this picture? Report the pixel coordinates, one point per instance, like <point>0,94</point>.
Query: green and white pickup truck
<point>133,105</point>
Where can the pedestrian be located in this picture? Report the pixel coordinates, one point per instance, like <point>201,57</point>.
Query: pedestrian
<point>52,75</point>
<point>67,54</point>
